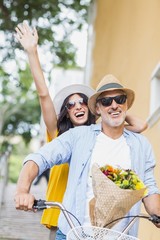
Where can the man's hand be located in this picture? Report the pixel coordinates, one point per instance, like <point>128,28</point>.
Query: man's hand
<point>152,206</point>
<point>24,201</point>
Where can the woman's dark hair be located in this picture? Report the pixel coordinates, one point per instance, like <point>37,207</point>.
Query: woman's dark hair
<point>64,123</point>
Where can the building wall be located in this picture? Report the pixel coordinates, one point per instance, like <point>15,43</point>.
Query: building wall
<point>125,41</point>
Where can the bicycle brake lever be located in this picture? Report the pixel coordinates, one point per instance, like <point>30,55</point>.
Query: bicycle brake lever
<point>154,219</point>
<point>39,204</point>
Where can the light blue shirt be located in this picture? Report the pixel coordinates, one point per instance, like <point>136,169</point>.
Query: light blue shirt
<point>75,147</point>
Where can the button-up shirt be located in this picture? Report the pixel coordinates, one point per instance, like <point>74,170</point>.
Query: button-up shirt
<point>75,147</point>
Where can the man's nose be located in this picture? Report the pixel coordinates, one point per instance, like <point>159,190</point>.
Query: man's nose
<point>114,104</point>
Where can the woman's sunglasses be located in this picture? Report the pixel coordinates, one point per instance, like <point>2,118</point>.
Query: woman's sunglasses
<point>107,101</point>
<point>71,104</point>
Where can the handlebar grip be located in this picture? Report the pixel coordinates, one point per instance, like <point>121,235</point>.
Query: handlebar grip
<point>155,219</point>
<point>39,204</point>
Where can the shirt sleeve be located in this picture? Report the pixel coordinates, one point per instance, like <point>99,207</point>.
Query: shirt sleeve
<point>150,163</point>
<point>56,152</point>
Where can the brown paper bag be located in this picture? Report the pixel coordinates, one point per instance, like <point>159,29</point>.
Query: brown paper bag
<point>110,202</point>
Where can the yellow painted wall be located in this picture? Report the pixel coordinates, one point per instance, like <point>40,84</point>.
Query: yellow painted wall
<point>127,44</point>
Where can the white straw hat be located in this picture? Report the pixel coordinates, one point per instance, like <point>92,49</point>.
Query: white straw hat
<point>69,90</point>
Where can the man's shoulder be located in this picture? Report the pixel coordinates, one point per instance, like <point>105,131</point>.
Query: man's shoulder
<point>138,136</point>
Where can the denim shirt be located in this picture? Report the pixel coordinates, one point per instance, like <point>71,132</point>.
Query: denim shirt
<point>75,147</point>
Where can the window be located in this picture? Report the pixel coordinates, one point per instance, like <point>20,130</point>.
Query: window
<point>154,115</point>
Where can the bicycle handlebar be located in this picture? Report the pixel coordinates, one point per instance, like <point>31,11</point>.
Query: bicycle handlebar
<point>154,219</point>
<point>42,204</point>
<point>39,204</point>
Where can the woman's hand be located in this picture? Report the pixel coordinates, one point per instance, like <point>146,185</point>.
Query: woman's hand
<point>135,124</point>
<point>26,36</point>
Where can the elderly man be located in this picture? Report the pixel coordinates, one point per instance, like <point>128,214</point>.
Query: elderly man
<point>105,143</point>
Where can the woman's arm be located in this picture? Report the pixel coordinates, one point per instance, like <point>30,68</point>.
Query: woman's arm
<point>135,124</point>
<point>29,41</point>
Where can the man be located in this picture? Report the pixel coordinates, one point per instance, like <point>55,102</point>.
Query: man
<point>105,143</point>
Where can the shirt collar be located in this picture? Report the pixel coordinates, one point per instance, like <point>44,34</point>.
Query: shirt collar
<point>97,127</point>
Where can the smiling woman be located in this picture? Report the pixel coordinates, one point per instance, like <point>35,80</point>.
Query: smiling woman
<point>73,110</point>
<point>76,111</point>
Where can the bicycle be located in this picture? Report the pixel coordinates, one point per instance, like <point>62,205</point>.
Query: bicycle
<point>92,232</point>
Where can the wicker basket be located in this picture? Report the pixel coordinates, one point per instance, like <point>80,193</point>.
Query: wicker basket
<point>96,233</point>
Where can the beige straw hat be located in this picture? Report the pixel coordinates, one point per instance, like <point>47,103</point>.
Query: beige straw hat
<point>69,90</point>
<point>108,83</point>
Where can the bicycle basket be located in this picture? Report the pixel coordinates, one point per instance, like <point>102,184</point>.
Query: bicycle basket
<point>96,233</point>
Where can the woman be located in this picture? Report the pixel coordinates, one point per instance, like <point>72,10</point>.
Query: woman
<point>70,105</point>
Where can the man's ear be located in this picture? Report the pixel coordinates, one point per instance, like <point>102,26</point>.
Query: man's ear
<point>97,110</point>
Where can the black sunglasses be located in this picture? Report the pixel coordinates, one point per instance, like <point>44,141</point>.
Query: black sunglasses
<point>107,101</point>
<point>71,104</point>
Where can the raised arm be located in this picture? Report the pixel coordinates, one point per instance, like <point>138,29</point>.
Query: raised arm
<point>135,124</point>
<point>29,40</point>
